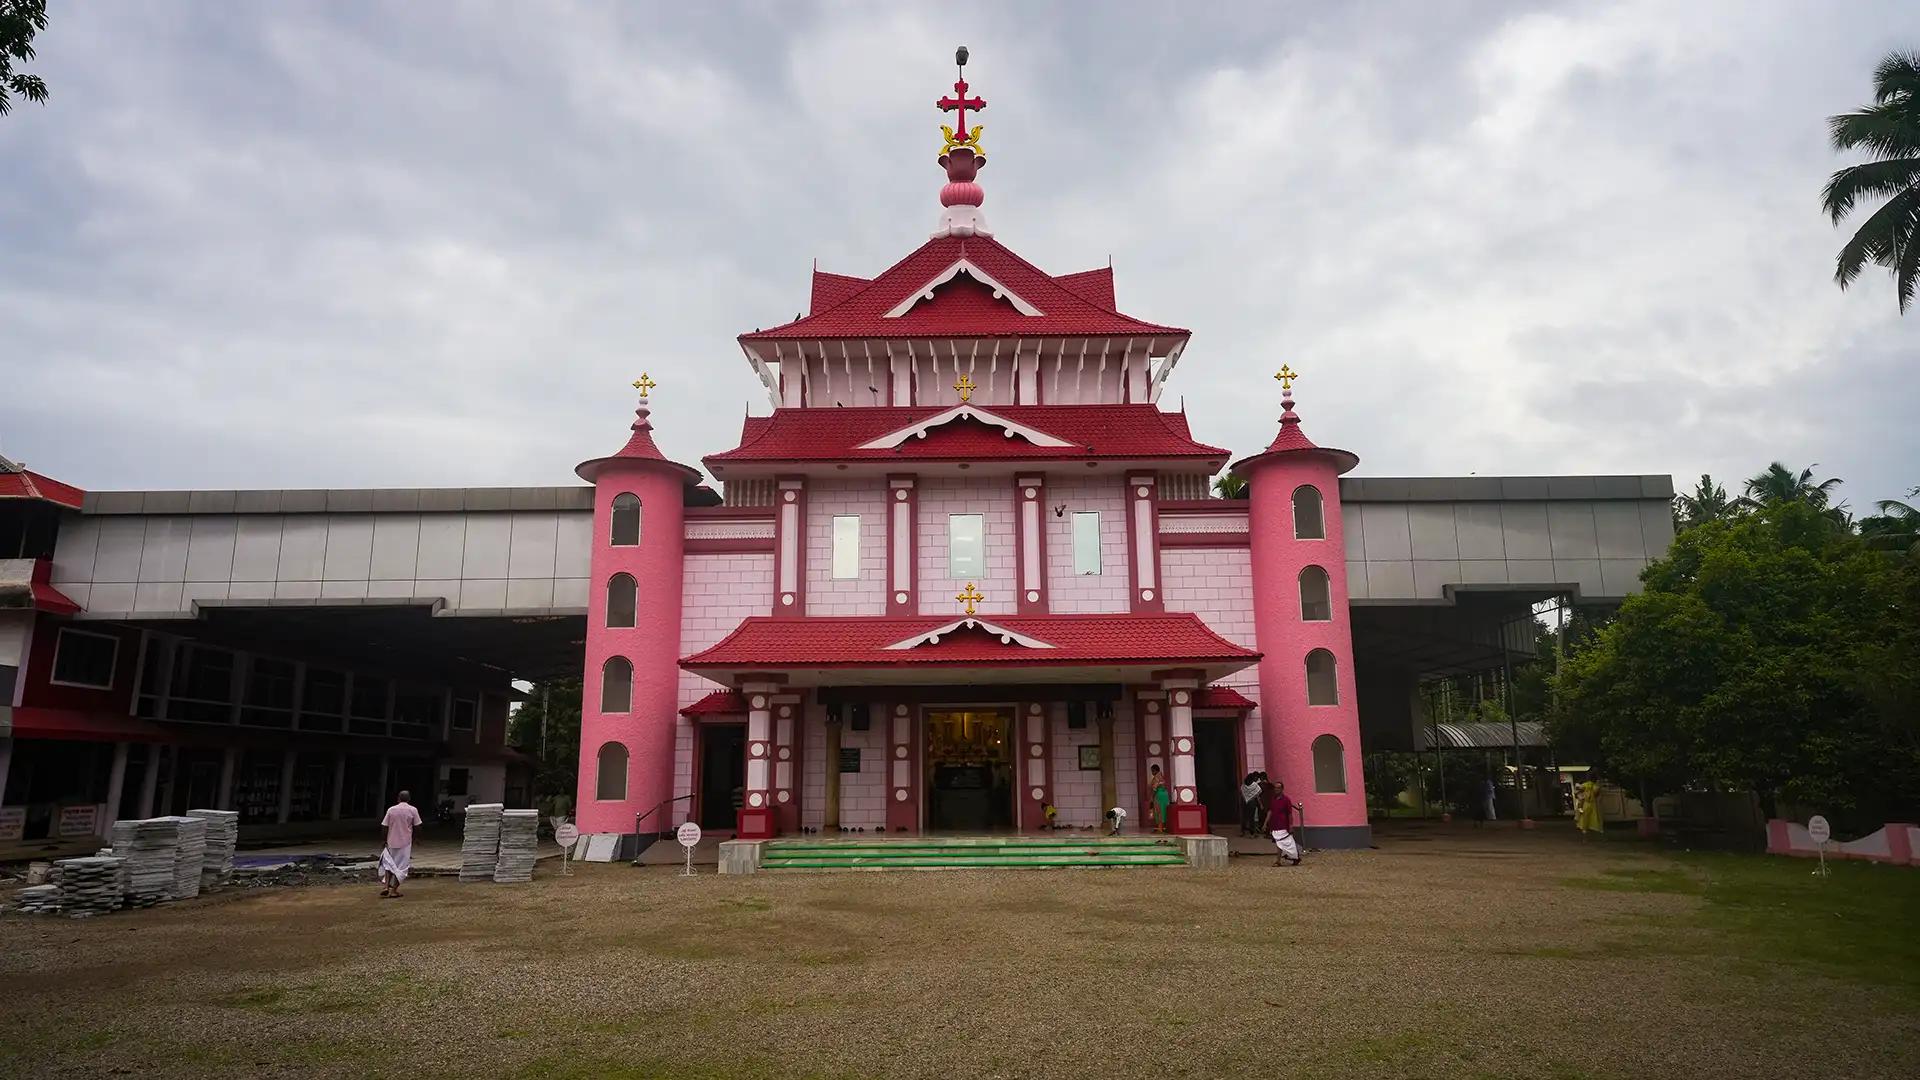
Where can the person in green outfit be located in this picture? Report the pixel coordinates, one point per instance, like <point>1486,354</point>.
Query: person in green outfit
<point>1160,795</point>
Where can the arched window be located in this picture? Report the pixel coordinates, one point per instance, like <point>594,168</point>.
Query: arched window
<point>622,594</point>
<point>1316,604</point>
<point>1329,765</point>
<point>1308,521</point>
<point>1322,687</point>
<point>610,777</point>
<point>626,520</point>
<point>616,685</point>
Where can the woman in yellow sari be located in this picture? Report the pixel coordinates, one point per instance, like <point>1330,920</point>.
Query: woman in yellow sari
<point>1586,807</point>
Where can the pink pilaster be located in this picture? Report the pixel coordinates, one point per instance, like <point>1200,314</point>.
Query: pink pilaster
<point>1188,816</point>
<point>1150,707</point>
<point>1143,544</point>
<point>1030,543</point>
<point>757,818</point>
<point>786,750</point>
<point>903,541</point>
<point>903,783</point>
<point>790,547</point>
<point>1034,778</point>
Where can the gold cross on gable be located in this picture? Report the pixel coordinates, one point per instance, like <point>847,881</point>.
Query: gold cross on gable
<point>1286,377</point>
<point>970,596</point>
<point>644,384</point>
<point>965,388</point>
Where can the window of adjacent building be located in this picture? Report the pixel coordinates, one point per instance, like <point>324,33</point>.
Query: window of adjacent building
<point>846,547</point>
<point>202,689</point>
<point>626,520</point>
<point>323,700</point>
<point>1086,541</point>
<point>1323,687</point>
<point>1316,604</point>
<point>622,595</point>
<point>457,781</point>
<point>83,659</point>
<point>966,546</point>
<point>156,655</point>
<point>1329,765</point>
<point>1308,521</point>
<point>269,697</point>
<point>416,712</point>
<point>466,714</point>
<point>368,709</point>
<point>616,685</point>
<point>610,775</point>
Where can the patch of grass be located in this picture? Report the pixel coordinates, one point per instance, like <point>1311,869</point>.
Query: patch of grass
<point>313,999</point>
<point>1662,880</point>
<point>643,1067</point>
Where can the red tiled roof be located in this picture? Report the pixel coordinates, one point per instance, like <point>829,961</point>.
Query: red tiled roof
<point>1292,440</point>
<point>718,703</point>
<point>1174,638</point>
<point>1221,697</point>
<point>961,308</point>
<point>1093,431</point>
<point>27,484</point>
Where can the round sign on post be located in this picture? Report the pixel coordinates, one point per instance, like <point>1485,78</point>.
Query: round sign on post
<point>1818,828</point>
<point>566,835</point>
<point>689,836</point>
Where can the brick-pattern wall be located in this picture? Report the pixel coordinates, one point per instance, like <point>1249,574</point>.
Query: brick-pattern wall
<point>1217,585</point>
<point>1087,594</point>
<point>993,500</point>
<point>866,594</point>
<point>1076,793</point>
<point>863,795</point>
<point>717,592</point>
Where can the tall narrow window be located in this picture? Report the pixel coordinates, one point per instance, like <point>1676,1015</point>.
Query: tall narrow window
<point>610,776</point>
<point>1308,521</point>
<point>616,685</point>
<point>966,544</point>
<point>622,595</point>
<point>83,659</point>
<point>846,547</point>
<point>1329,765</point>
<point>1316,604</point>
<point>626,520</point>
<point>1323,687</point>
<point>1086,541</point>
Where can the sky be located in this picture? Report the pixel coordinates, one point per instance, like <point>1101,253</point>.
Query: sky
<point>312,244</point>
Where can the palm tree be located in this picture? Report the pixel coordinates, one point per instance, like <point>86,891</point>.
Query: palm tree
<point>1888,129</point>
<point>1896,527</point>
<point>1780,484</point>
<point>1230,486</point>
<point>1708,502</point>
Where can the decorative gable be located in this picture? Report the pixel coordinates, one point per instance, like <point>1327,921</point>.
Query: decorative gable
<point>1007,637</point>
<point>964,412</point>
<point>962,266</point>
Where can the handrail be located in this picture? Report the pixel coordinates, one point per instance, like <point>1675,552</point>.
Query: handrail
<point>656,808</point>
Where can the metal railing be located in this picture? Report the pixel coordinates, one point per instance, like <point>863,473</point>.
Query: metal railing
<point>640,818</point>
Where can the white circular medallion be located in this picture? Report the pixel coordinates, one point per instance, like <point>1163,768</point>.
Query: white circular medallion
<point>1031,493</point>
<point>783,796</point>
<point>900,494</point>
<point>1186,794</point>
<point>1146,594</point>
<point>1183,746</point>
<point>899,794</point>
<point>1153,706</point>
<point>1039,794</point>
<point>1153,749</point>
<point>1181,697</point>
<point>899,710</point>
<point>759,749</point>
<point>899,751</point>
<point>1033,597</point>
<point>790,496</point>
<point>786,710</point>
<point>1140,491</point>
<point>1036,750</point>
<point>899,598</point>
<point>756,799</point>
<point>759,701</point>
<point>786,752</point>
<point>787,599</point>
<point>1033,710</point>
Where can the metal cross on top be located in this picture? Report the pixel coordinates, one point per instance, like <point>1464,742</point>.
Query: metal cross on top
<point>960,102</point>
<point>645,385</point>
<point>1286,377</point>
<point>970,596</point>
<point>965,388</point>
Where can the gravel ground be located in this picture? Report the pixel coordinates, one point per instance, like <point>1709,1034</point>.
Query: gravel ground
<point>1445,953</point>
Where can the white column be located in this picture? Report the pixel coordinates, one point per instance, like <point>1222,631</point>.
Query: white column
<point>1180,738</point>
<point>116,786</point>
<point>286,788</point>
<point>229,761</point>
<point>150,783</point>
<point>759,748</point>
<point>339,782</point>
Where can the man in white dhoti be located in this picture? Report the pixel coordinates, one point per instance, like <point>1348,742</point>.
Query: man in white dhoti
<point>1280,816</point>
<point>397,857</point>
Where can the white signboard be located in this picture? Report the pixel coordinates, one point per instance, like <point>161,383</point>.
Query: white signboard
<point>13,822</point>
<point>78,820</point>
<point>1818,828</point>
<point>566,834</point>
<point>688,834</point>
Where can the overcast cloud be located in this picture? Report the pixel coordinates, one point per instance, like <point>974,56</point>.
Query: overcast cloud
<point>326,244</point>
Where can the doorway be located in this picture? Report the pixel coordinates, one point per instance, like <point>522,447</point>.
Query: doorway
<point>969,769</point>
<point>1216,768</point>
<point>723,774</point>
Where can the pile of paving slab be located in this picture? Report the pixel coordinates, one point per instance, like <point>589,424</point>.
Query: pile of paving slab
<point>498,844</point>
<point>152,860</point>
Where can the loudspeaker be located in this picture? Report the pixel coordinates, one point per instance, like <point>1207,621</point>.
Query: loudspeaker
<point>1076,714</point>
<point>862,718</point>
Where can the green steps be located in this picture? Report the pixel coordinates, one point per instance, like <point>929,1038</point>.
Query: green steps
<point>971,853</point>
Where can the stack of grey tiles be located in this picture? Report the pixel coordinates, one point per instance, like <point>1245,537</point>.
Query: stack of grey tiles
<point>189,856</point>
<point>480,842</point>
<point>38,900</point>
<point>89,885</point>
<point>223,832</point>
<point>148,849</point>
<point>519,841</point>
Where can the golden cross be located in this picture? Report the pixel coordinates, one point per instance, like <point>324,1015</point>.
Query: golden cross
<point>965,388</point>
<point>970,596</point>
<point>644,384</point>
<point>1286,377</point>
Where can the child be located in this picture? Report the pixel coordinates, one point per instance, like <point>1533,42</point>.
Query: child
<point>1159,796</point>
<point>1117,817</point>
<point>1046,808</point>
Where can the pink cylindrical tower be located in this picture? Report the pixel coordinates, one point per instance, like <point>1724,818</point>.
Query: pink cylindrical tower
<point>1310,716</point>
<point>630,685</point>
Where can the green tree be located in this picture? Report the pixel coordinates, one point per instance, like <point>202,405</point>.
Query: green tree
<point>19,21</point>
<point>1896,527</point>
<point>1708,502</point>
<point>1230,486</point>
<point>1889,131</point>
<point>1779,484</point>
<point>547,727</point>
<point>1752,662</point>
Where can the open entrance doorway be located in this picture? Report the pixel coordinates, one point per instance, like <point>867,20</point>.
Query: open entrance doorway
<point>969,769</point>
<point>1216,768</point>
<point>723,774</point>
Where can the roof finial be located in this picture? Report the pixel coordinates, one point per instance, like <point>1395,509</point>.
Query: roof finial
<point>645,385</point>
<point>963,159</point>
<point>1286,376</point>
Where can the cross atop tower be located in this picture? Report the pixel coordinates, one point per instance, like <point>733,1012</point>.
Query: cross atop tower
<point>645,385</point>
<point>959,103</point>
<point>1286,376</point>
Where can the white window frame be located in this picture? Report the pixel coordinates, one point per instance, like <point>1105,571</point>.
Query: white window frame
<point>980,554</point>
<point>453,714</point>
<point>845,563</point>
<point>1079,566</point>
<point>113,669</point>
